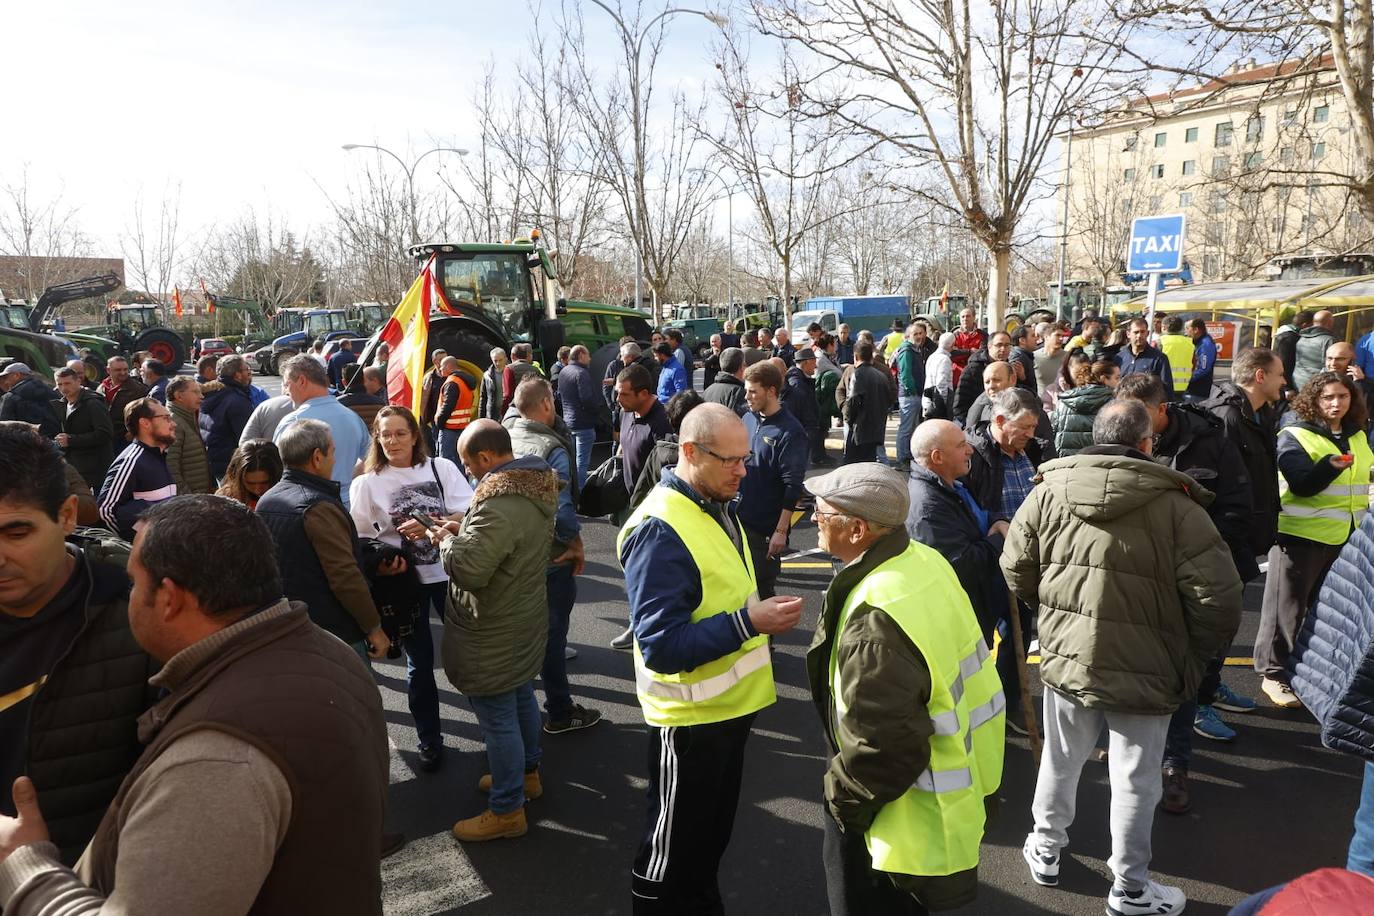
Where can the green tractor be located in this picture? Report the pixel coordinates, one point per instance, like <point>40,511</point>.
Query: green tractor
<point>40,318</point>
<point>139,327</point>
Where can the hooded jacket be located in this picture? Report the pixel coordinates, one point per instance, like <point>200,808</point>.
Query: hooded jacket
<point>1073,416</point>
<point>970,383</point>
<point>1309,356</point>
<point>186,457</point>
<point>1253,433</point>
<point>31,401</point>
<point>496,621</point>
<point>228,408</point>
<point>1195,443</point>
<point>1135,590</point>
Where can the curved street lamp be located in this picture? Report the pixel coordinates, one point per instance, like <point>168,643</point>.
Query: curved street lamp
<point>410,175</point>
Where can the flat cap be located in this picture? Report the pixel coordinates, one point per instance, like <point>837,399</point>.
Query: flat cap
<point>865,490</point>
<point>21,368</point>
<point>804,354</point>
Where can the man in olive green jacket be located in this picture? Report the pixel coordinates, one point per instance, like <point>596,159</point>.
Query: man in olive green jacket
<point>186,458</point>
<point>496,624</point>
<point>1136,591</point>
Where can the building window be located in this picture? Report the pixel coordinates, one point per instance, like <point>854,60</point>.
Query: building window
<point>1355,218</point>
<point>1321,114</point>
<point>1128,175</point>
<point>1254,129</point>
<point>1318,150</point>
<point>1286,155</point>
<point>1223,134</point>
<point>1290,115</point>
<point>1126,206</point>
<point>1254,160</point>
<point>1156,203</point>
<point>1157,171</point>
<point>1189,166</point>
<point>1221,165</point>
<point>1160,139</point>
<point>1131,142</point>
<point>1185,199</point>
<point>1210,266</point>
<point>1276,225</point>
<point>1216,203</point>
<point>1190,135</point>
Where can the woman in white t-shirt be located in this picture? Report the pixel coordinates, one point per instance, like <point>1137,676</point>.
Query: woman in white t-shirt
<point>401,478</point>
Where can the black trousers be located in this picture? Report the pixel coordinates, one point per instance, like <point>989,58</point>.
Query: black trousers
<point>694,782</point>
<point>766,568</point>
<point>854,453</point>
<point>1297,568</point>
<point>852,884</point>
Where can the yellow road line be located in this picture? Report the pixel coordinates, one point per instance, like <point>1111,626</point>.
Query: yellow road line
<point>808,566</point>
<point>1234,661</point>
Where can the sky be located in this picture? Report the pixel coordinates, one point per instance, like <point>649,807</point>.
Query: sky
<point>248,103</point>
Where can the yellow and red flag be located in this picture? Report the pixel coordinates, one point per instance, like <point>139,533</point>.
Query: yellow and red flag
<point>407,333</point>
<point>944,299</point>
<point>176,299</point>
<point>209,299</point>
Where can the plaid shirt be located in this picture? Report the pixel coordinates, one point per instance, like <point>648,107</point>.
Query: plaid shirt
<point>1018,477</point>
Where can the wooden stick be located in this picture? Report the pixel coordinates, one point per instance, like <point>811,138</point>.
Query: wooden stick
<point>1018,642</point>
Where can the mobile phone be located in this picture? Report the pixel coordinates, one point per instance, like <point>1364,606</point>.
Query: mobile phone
<point>423,519</point>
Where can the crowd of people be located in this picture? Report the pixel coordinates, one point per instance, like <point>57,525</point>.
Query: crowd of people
<point>1033,473</point>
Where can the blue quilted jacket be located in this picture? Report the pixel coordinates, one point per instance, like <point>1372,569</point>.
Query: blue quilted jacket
<point>1332,665</point>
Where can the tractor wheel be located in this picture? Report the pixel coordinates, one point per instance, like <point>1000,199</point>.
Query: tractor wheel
<point>279,361</point>
<point>95,367</point>
<point>165,346</point>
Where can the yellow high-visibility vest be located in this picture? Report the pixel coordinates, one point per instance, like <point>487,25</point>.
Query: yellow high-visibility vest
<point>1178,350</point>
<point>1329,516</point>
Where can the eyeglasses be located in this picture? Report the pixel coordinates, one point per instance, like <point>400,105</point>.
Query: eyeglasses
<point>820,513</point>
<point>729,462</point>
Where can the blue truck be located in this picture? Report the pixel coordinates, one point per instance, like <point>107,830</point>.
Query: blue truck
<point>873,313</point>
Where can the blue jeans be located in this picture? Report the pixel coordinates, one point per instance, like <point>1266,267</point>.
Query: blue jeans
<point>583,440</point>
<point>510,725</point>
<point>562,589</point>
<point>1361,856</point>
<point>421,691</point>
<point>910,406</point>
<point>448,444</point>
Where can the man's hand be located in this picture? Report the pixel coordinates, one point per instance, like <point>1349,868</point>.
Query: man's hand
<point>411,530</point>
<point>776,615</point>
<point>1341,461</point>
<point>999,527</point>
<point>778,542</point>
<point>393,567</point>
<point>28,827</point>
<point>378,643</point>
<point>63,440</point>
<point>1355,372</point>
<point>575,554</point>
<point>444,530</point>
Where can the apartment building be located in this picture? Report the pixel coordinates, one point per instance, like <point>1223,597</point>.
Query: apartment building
<point>1253,160</point>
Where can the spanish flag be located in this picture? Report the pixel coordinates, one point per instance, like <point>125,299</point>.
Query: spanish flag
<point>176,299</point>
<point>407,332</point>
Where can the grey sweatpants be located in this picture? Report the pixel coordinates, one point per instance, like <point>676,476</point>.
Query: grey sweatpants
<point>1136,745</point>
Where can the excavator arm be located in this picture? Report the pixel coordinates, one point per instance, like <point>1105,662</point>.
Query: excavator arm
<point>56,295</point>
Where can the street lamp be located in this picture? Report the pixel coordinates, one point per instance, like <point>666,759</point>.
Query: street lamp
<point>730,191</point>
<point>410,175</point>
<point>636,43</point>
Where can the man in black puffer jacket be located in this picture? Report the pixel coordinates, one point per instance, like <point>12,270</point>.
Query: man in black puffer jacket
<point>64,626</point>
<point>1192,441</point>
<point>28,399</point>
<point>1332,668</point>
<point>970,385</point>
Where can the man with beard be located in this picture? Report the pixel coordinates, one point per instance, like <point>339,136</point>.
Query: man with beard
<point>139,476</point>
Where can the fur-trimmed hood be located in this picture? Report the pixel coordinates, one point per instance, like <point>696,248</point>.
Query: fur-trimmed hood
<point>528,476</point>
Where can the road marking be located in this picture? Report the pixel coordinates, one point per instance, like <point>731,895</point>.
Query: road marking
<point>1232,661</point>
<point>808,566</point>
<point>430,875</point>
<point>797,555</point>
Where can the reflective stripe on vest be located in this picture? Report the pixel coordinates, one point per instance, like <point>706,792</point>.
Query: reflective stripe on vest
<point>1328,517</point>
<point>462,411</point>
<point>936,826</point>
<point>728,687</point>
<point>1178,350</point>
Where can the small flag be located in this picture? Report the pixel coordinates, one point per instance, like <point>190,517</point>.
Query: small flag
<point>176,299</point>
<point>209,299</point>
<point>944,298</point>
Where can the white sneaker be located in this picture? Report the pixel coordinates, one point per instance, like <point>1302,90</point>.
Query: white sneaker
<point>1280,694</point>
<point>1151,900</point>
<point>1044,866</point>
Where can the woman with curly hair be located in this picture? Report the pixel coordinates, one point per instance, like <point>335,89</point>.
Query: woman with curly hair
<point>1325,460</point>
<point>254,468</point>
<point>1076,409</point>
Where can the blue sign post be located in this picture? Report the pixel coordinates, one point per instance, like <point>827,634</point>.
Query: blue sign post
<point>1155,247</point>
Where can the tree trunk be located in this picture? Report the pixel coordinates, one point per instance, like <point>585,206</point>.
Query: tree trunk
<point>998,277</point>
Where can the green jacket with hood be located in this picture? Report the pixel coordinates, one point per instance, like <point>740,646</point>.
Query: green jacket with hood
<point>497,621</point>
<point>1136,590</point>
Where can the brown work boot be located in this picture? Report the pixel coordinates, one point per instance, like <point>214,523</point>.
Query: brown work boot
<point>1176,798</point>
<point>491,826</point>
<point>533,787</point>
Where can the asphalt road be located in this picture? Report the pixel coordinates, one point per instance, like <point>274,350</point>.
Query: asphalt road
<point>1269,807</point>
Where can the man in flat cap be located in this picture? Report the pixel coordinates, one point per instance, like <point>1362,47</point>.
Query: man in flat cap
<point>911,704</point>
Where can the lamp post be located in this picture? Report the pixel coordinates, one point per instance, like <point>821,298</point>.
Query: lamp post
<point>410,175</point>
<point>1064,226</point>
<point>634,46</point>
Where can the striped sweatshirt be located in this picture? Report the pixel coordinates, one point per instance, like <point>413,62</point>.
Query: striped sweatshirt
<point>138,478</point>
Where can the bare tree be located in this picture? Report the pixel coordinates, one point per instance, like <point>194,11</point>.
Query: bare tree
<point>652,175</point>
<point>152,247</point>
<point>45,233</point>
<point>370,234</point>
<point>974,93</point>
<point>257,257</point>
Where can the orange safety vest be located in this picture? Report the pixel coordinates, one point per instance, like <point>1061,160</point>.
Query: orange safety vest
<point>462,411</point>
